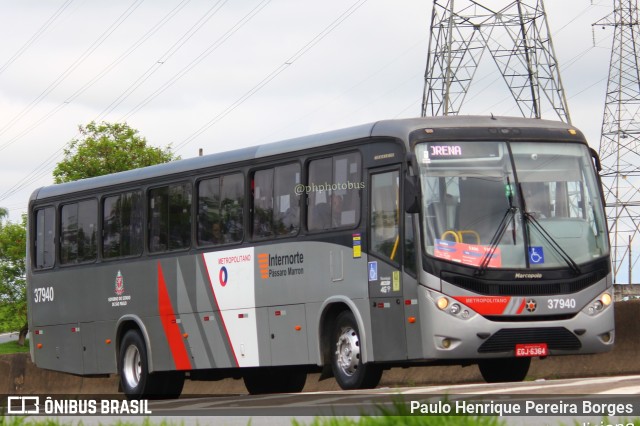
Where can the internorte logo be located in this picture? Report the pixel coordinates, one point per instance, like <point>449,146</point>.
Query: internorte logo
<point>326,187</point>
<point>280,265</point>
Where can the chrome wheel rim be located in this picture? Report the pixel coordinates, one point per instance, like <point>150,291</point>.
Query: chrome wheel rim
<point>348,351</point>
<point>132,366</point>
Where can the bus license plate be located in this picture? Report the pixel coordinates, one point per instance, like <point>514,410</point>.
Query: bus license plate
<point>531,349</point>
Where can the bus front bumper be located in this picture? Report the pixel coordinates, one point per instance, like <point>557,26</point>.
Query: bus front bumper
<point>458,331</point>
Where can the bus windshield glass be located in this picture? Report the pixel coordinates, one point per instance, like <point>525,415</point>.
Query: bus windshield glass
<point>511,205</point>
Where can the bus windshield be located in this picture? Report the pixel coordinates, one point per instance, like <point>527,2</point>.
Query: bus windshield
<point>511,204</point>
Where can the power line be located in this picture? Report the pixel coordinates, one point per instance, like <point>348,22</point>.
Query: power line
<point>73,66</point>
<point>273,74</point>
<point>133,47</point>
<point>36,35</point>
<point>46,166</point>
<point>164,58</point>
<point>210,49</point>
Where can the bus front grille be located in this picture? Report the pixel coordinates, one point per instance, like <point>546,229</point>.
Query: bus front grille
<point>506,339</point>
<point>524,288</point>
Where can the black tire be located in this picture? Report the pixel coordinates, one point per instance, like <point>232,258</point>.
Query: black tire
<point>274,380</point>
<point>172,384</point>
<point>348,369</point>
<point>504,369</point>
<point>135,379</point>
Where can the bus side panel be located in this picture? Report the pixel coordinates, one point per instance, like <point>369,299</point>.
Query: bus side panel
<point>288,335</point>
<point>98,346</point>
<point>215,338</point>
<point>168,347</point>
<point>387,311</point>
<point>387,323</point>
<point>106,346</point>
<point>59,347</point>
<point>314,272</point>
<point>413,330</point>
<point>89,347</point>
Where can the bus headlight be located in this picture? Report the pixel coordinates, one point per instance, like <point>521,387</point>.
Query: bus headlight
<point>449,305</point>
<point>600,304</point>
<point>442,303</point>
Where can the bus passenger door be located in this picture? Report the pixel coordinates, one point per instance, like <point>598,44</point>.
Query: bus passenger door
<point>384,267</point>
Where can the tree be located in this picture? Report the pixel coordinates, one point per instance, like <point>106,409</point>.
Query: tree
<point>102,148</point>
<point>13,285</point>
<point>107,148</point>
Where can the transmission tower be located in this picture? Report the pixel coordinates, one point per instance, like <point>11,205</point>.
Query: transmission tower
<point>517,38</point>
<point>620,138</point>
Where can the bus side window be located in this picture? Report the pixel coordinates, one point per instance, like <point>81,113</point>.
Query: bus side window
<point>286,217</point>
<point>220,203</point>
<point>170,217</point>
<point>385,214</point>
<point>276,206</point>
<point>45,244</point>
<point>263,204</point>
<point>334,192</point>
<point>78,232</point>
<point>232,207</point>
<point>122,225</point>
<point>319,211</point>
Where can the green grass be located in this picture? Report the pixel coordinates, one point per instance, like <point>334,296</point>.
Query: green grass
<point>12,348</point>
<point>23,421</point>
<point>400,414</point>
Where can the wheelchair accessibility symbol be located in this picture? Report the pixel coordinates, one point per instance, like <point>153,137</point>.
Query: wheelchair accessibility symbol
<point>373,271</point>
<point>536,255</point>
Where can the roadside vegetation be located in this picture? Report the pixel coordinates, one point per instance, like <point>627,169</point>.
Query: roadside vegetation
<point>13,347</point>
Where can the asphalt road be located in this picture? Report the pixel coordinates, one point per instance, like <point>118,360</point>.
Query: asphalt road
<point>7,337</point>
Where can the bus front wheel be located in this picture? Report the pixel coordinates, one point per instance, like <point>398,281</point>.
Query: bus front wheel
<point>346,360</point>
<point>135,379</point>
<point>497,370</point>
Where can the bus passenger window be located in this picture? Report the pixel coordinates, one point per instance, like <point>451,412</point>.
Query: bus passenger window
<point>45,245</point>
<point>170,218</point>
<point>276,205</point>
<point>287,203</point>
<point>220,208</point>
<point>385,214</point>
<point>78,232</point>
<point>263,204</point>
<point>122,225</point>
<point>334,192</point>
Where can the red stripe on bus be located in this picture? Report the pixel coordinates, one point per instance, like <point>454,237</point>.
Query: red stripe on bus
<point>170,326</point>
<point>521,308</point>
<point>215,300</point>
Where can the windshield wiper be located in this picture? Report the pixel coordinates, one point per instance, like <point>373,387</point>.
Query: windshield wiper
<point>495,240</point>
<point>530,218</point>
<point>509,215</point>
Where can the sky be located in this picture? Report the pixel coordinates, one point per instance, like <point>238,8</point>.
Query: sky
<point>225,74</point>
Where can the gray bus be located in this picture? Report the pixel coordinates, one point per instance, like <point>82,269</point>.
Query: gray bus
<point>449,240</point>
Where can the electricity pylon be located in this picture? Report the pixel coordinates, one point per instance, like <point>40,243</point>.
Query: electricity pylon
<point>517,38</point>
<point>620,138</point>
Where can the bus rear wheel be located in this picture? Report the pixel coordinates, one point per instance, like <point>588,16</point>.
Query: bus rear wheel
<point>497,370</point>
<point>346,361</point>
<point>136,380</point>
